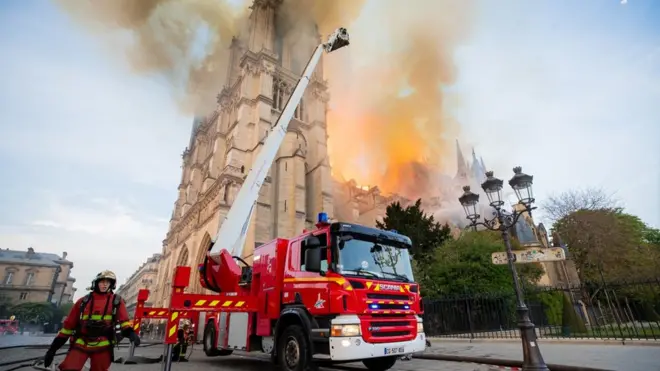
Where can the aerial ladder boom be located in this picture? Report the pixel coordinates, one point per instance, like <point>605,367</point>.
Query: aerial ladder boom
<point>233,230</point>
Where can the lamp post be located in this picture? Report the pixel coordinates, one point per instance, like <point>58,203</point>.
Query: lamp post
<point>502,222</point>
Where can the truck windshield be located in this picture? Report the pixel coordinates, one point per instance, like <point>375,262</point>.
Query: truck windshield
<point>361,255</point>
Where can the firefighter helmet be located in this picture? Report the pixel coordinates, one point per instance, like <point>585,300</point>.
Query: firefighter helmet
<point>105,275</point>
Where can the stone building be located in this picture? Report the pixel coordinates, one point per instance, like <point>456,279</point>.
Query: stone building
<point>143,278</point>
<point>264,65</point>
<point>37,277</point>
<point>263,70</point>
<point>529,234</point>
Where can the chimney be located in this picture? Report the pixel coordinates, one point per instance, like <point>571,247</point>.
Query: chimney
<point>64,254</point>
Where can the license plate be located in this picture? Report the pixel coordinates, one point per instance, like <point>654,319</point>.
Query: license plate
<point>397,350</point>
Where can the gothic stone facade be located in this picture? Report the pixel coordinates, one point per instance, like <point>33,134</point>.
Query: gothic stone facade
<point>224,144</point>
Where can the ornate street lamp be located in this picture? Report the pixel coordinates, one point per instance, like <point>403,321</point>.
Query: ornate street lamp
<point>502,222</point>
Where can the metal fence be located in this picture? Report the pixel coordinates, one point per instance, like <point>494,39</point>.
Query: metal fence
<point>591,310</point>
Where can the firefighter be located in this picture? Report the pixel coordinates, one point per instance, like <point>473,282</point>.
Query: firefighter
<point>181,347</point>
<point>90,327</point>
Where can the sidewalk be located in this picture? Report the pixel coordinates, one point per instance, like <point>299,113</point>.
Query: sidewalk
<point>611,357</point>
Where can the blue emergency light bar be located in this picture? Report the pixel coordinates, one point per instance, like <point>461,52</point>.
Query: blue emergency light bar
<point>322,218</point>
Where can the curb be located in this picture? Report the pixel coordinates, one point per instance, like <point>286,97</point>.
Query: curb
<point>651,343</point>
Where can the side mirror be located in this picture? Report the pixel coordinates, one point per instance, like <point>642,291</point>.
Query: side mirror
<point>313,259</point>
<point>312,242</point>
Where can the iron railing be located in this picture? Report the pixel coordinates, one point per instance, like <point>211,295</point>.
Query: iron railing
<point>622,310</point>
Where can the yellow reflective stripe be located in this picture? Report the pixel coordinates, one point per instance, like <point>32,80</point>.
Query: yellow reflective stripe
<point>66,332</point>
<point>98,317</point>
<point>96,344</point>
<point>125,324</point>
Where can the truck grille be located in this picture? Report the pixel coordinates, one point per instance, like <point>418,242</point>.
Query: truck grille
<point>382,329</point>
<point>372,295</point>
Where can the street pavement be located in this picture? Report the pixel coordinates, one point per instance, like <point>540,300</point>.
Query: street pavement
<point>237,363</point>
<point>16,340</point>
<point>605,356</point>
<point>257,362</point>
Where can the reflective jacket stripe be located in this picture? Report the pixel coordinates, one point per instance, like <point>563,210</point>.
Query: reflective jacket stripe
<point>97,317</point>
<point>96,344</point>
<point>66,332</point>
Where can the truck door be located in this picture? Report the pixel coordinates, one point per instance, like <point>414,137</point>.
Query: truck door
<point>311,287</point>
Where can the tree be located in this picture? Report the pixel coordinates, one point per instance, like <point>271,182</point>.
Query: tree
<point>605,244</point>
<point>652,236</point>
<point>464,266</point>
<point>34,312</point>
<point>425,233</point>
<point>571,321</point>
<point>559,206</point>
<point>5,305</point>
<point>61,311</point>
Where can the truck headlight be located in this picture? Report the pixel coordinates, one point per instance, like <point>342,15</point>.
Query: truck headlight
<point>345,330</point>
<point>420,327</point>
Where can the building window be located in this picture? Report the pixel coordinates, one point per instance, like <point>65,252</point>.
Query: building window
<point>23,296</point>
<point>299,111</point>
<point>8,278</point>
<point>29,279</point>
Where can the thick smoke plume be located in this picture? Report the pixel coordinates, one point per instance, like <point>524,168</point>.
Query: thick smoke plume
<point>184,41</point>
<point>187,41</point>
<point>388,123</point>
<point>388,95</point>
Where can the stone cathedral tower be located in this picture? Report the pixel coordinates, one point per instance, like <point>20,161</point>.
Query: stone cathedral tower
<point>263,70</point>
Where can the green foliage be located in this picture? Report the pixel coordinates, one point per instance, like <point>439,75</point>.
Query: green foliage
<point>605,244</point>
<point>61,311</point>
<point>652,236</point>
<point>553,303</point>
<point>425,233</point>
<point>34,312</point>
<point>464,266</point>
<point>649,313</point>
<point>571,320</point>
<point>5,306</point>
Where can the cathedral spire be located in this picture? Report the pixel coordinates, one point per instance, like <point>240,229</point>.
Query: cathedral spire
<point>461,168</point>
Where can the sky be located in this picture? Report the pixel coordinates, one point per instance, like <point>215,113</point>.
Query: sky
<point>90,154</point>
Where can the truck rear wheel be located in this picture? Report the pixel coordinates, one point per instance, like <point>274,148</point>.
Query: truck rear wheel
<point>379,364</point>
<point>293,352</point>
<point>209,342</point>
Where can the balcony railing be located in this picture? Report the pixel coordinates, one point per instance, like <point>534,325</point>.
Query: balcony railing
<point>22,286</point>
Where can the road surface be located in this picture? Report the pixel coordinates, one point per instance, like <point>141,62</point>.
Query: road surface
<point>605,356</point>
<point>13,340</point>
<point>236,363</point>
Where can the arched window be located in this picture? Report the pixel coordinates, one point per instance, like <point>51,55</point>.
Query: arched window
<point>183,257</point>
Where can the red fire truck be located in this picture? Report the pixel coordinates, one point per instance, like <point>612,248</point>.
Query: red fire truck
<point>9,326</point>
<point>341,293</point>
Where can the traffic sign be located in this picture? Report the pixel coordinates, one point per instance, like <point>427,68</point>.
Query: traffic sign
<point>531,255</point>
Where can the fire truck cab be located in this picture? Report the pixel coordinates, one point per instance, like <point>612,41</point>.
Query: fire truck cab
<point>8,326</point>
<point>343,292</point>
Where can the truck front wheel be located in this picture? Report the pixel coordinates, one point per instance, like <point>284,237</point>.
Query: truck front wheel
<point>379,364</point>
<point>293,353</point>
<point>209,342</point>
